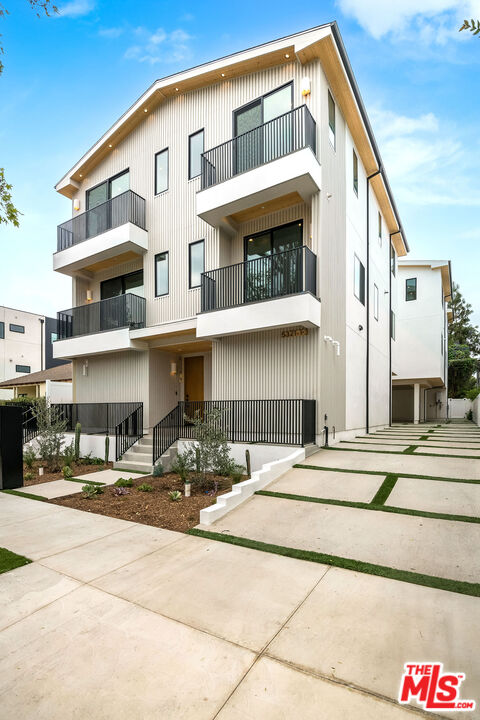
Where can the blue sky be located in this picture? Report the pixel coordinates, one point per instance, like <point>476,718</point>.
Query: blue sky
<point>68,78</point>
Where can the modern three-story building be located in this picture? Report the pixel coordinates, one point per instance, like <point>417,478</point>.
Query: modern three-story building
<point>234,237</point>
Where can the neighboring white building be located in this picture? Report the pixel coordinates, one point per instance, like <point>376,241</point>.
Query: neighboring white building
<point>25,344</point>
<point>218,243</point>
<point>420,348</point>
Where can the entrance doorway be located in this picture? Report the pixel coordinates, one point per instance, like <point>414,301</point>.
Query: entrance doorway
<point>193,378</point>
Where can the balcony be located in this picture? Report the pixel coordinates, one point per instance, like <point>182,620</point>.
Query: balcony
<point>111,232</point>
<point>264,165</point>
<point>99,327</point>
<point>275,291</point>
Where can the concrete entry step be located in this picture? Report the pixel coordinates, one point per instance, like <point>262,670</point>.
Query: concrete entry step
<point>134,466</point>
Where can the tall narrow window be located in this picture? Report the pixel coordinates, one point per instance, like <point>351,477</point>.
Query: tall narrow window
<point>379,229</point>
<point>392,324</point>
<point>161,171</point>
<point>195,150</point>
<point>355,173</point>
<point>196,263</point>
<point>375,302</point>
<point>331,118</point>
<point>2,330</point>
<point>411,289</point>
<point>441,344</point>
<point>359,280</point>
<point>392,259</point>
<point>161,274</point>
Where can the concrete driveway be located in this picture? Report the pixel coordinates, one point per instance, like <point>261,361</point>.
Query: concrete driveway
<point>119,620</point>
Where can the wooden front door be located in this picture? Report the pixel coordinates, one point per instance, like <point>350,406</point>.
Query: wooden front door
<point>193,372</point>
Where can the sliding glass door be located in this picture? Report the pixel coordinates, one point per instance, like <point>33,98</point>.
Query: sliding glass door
<point>103,216</point>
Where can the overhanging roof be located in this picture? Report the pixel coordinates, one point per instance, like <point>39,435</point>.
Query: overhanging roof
<point>59,373</point>
<point>445,266</point>
<point>324,43</point>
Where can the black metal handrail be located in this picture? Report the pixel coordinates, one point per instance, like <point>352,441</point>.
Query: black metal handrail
<point>281,136</point>
<point>285,273</point>
<point>29,424</point>
<point>96,418</point>
<point>122,311</point>
<point>126,207</point>
<point>128,431</point>
<point>275,422</point>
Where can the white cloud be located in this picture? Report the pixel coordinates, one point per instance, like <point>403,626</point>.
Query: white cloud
<point>422,156</point>
<point>432,21</point>
<point>159,46</point>
<point>113,32</point>
<point>76,8</point>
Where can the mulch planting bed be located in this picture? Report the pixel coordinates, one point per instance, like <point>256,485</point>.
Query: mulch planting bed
<point>78,468</point>
<point>155,507</point>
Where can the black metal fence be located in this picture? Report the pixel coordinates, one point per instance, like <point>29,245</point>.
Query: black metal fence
<point>275,422</point>
<point>285,273</point>
<point>127,207</point>
<point>285,134</point>
<point>128,431</point>
<point>29,425</point>
<point>122,311</point>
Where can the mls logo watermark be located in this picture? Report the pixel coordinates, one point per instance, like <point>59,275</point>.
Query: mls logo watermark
<point>433,688</point>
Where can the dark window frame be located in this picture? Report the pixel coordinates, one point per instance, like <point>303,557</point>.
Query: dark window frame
<point>14,325</point>
<point>411,299</point>
<point>260,99</point>
<point>355,172</point>
<point>392,325</point>
<point>380,226</point>
<point>157,193</point>
<point>361,297</point>
<point>122,278</point>
<point>2,330</point>
<point>270,230</point>
<point>26,369</point>
<point>51,337</point>
<point>192,135</point>
<point>190,245</point>
<point>167,253</point>
<point>108,182</point>
<point>331,129</point>
<point>393,260</point>
<point>376,302</point>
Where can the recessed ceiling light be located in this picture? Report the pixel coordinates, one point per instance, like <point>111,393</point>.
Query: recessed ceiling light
<point>176,89</point>
<point>110,145</point>
<point>287,55</point>
<point>223,74</point>
<point>81,175</point>
<point>145,109</point>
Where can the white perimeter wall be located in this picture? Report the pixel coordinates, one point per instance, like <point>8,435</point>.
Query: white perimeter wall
<point>458,407</point>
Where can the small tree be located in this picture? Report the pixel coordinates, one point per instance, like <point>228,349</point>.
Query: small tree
<point>211,451</point>
<point>51,429</point>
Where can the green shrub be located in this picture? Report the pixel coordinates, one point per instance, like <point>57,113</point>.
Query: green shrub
<point>183,465</point>
<point>29,457</point>
<point>145,487</point>
<point>27,476</point>
<point>470,416</point>
<point>69,454</point>
<point>91,491</point>
<point>107,449</point>
<point>236,473</point>
<point>175,495</point>
<point>473,393</point>
<point>158,470</point>
<point>78,430</point>
<point>67,472</point>
<point>123,482</point>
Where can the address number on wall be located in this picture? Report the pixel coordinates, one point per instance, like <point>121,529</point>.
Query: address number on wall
<point>294,332</point>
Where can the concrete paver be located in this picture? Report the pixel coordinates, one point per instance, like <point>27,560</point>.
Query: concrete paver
<point>376,448</point>
<point>436,496</point>
<point>472,452</point>
<point>328,484</point>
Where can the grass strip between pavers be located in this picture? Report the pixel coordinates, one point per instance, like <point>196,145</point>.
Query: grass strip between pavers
<point>371,506</point>
<point>24,494</point>
<point>383,472</point>
<point>458,586</point>
<point>85,482</point>
<point>411,449</point>
<point>385,489</point>
<point>401,452</point>
<point>10,560</point>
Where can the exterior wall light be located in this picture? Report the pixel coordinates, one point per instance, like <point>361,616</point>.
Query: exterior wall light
<point>76,204</point>
<point>89,296</point>
<point>173,368</point>
<point>305,86</point>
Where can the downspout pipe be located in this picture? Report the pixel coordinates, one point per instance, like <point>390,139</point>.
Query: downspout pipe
<point>390,407</point>
<point>367,358</point>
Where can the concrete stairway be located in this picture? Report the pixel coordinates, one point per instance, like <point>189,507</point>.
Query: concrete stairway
<point>139,457</point>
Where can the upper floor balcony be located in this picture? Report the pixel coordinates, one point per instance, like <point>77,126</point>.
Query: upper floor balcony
<point>97,327</point>
<point>273,291</point>
<point>273,161</point>
<point>112,231</point>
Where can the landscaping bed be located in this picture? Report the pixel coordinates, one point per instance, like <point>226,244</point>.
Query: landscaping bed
<point>155,507</point>
<point>78,468</point>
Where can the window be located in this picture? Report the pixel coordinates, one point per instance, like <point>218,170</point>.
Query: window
<point>411,289</point>
<point>355,173</point>
<point>22,368</point>
<point>161,274</point>
<point>17,328</point>
<point>195,150</point>
<point>161,171</point>
<point>108,189</point>
<point>392,324</point>
<point>129,283</point>
<point>2,330</point>
<point>196,263</point>
<point>379,229</point>
<point>392,259</point>
<point>53,337</point>
<point>331,118</point>
<point>359,280</point>
<point>441,344</point>
<point>375,302</point>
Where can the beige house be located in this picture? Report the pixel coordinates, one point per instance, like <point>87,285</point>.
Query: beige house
<point>232,239</point>
<point>54,384</point>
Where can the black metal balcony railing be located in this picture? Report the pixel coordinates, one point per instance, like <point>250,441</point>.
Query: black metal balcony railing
<point>123,311</point>
<point>124,208</point>
<point>286,273</point>
<point>285,134</point>
<point>277,422</point>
